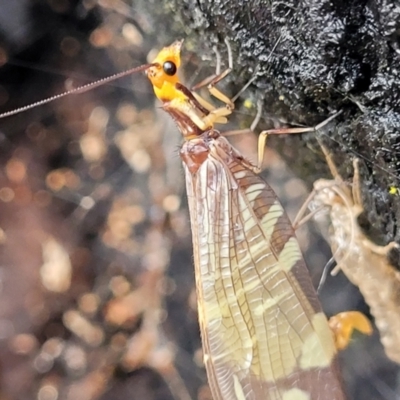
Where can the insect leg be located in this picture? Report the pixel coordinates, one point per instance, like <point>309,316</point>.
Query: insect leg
<point>212,80</point>
<point>303,215</point>
<point>252,126</point>
<point>332,167</point>
<point>262,139</point>
<point>356,187</point>
<point>218,76</point>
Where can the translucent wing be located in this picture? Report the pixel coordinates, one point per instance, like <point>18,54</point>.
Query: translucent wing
<point>264,335</point>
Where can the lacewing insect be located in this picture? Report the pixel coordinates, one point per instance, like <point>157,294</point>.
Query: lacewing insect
<point>364,263</point>
<point>263,330</point>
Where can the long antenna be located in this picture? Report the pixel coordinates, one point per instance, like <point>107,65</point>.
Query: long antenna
<point>79,89</point>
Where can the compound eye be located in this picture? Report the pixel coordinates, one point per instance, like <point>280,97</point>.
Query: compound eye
<point>169,68</point>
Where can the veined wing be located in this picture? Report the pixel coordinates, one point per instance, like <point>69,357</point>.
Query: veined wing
<point>264,334</point>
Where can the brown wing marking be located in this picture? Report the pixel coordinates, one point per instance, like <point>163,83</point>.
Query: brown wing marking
<point>262,337</point>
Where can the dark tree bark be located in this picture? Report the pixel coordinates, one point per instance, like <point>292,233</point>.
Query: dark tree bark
<point>313,59</point>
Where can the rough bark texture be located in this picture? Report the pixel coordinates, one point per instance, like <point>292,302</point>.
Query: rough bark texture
<point>313,59</point>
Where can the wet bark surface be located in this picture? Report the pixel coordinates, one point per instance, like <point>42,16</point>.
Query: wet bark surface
<point>313,59</point>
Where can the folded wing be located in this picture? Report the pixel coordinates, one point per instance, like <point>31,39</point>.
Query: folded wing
<point>264,334</point>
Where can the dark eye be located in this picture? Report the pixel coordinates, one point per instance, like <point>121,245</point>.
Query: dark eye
<point>169,68</point>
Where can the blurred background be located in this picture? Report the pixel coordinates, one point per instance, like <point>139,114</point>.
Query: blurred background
<point>97,293</point>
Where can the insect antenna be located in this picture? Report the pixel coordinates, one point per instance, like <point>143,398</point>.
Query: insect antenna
<point>213,79</point>
<point>79,89</point>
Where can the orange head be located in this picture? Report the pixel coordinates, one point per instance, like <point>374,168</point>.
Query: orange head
<point>163,73</point>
